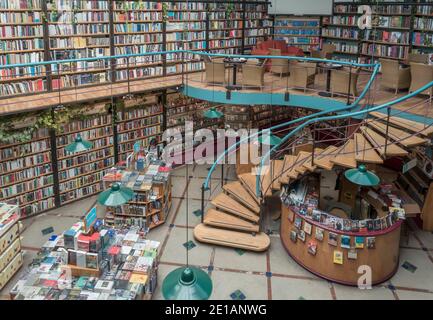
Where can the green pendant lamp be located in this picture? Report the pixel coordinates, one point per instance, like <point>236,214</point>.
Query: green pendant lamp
<point>78,145</point>
<point>269,139</point>
<point>115,196</point>
<point>362,177</point>
<point>187,283</point>
<point>213,113</point>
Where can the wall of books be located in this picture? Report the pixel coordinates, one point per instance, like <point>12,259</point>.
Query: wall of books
<point>302,32</point>
<point>35,30</point>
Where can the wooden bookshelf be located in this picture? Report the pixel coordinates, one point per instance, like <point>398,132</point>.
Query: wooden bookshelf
<point>303,32</point>
<point>58,30</point>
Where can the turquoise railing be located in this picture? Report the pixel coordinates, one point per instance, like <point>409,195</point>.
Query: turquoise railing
<point>386,105</point>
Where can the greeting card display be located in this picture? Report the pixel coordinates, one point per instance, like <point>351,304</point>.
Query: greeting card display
<point>293,235</point>
<point>307,228</point>
<point>359,242</point>
<point>345,242</point>
<point>312,247</point>
<point>301,235</point>
<point>371,242</point>
<point>338,257</point>
<point>298,223</point>
<point>352,254</point>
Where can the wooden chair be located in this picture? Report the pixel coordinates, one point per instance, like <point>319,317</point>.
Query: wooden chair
<point>303,74</point>
<point>340,80</point>
<point>394,76</point>
<point>254,75</point>
<point>215,72</point>
<point>422,74</point>
<point>279,65</point>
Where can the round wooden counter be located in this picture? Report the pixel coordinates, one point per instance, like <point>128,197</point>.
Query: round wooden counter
<point>383,259</point>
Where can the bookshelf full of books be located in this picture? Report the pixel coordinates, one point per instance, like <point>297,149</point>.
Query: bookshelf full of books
<point>302,32</point>
<point>21,41</point>
<point>26,173</point>
<point>78,29</point>
<point>139,120</point>
<point>80,174</point>
<point>138,28</point>
<point>422,39</point>
<point>257,116</point>
<point>257,25</point>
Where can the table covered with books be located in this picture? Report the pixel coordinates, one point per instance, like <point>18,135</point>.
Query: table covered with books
<point>101,263</point>
<point>337,245</point>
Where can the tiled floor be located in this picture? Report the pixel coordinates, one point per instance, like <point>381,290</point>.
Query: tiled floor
<point>270,275</point>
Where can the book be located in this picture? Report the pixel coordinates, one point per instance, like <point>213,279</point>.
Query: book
<point>319,234</point>
<point>345,242</point>
<point>333,239</point>
<point>338,257</point>
<point>298,223</point>
<point>352,254</point>
<point>312,247</point>
<point>359,242</point>
<point>307,228</point>
<point>371,242</point>
<point>301,235</point>
<point>294,235</point>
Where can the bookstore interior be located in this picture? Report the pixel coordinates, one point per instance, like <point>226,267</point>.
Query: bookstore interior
<point>216,149</point>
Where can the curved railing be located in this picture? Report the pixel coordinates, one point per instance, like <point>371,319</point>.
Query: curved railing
<point>355,104</point>
<point>365,112</point>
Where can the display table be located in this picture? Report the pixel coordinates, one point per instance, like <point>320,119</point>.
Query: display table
<point>335,247</point>
<point>100,264</point>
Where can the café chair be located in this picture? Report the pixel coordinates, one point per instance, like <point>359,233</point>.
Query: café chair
<point>422,74</point>
<point>279,65</point>
<point>394,76</point>
<point>215,72</point>
<point>303,74</point>
<point>340,80</point>
<point>254,75</point>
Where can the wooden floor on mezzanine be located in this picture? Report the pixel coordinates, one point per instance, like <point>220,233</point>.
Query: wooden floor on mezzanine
<point>273,83</point>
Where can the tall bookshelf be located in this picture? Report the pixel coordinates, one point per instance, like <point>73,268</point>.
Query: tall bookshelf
<point>21,41</point>
<point>139,120</point>
<point>303,32</point>
<point>26,172</point>
<point>80,174</point>
<point>422,39</point>
<point>36,30</point>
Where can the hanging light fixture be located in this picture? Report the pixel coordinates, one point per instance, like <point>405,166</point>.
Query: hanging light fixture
<point>78,145</point>
<point>362,177</point>
<point>116,196</point>
<point>213,113</point>
<point>187,283</point>
<point>267,138</point>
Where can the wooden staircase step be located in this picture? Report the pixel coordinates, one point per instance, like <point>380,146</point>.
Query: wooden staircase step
<point>406,124</point>
<point>364,151</point>
<point>227,203</point>
<point>277,168</point>
<point>288,162</point>
<point>230,238</point>
<point>265,178</point>
<point>220,219</point>
<point>308,163</point>
<point>323,160</point>
<point>237,191</point>
<point>402,137</point>
<point>293,173</point>
<point>378,141</point>
<point>249,182</point>
<point>346,155</point>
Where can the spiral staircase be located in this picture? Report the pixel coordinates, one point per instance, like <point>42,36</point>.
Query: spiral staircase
<point>234,220</point>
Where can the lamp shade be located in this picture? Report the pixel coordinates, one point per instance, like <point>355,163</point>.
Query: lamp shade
<point>269,139</point>
<point>361,176</point>
<point>187,283</point>
<point>115,196</point>
<point>78,145</point>
<point>213,113</point>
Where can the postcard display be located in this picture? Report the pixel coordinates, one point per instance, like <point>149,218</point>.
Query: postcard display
<point>11,258</point>
<point>103,264</point>
<point>336,248</point>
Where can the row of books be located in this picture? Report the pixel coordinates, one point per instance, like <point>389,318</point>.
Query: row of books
<point>345,33</point>
<point>78,5</point>
<point>422,39</point>
<point>25,174</point>
<point>73,184</point>
<point>21,31</point>
<point>78,17</point>
<point>127,147</point>
<point>138,16</point>
<point>37,207</point>
<point>20,45</point>
<point>20,4</point>
<point>97,144</point>
<point>424,9</point>
<point>139,73</point>
<point>78,42</point>
<point>140,123</point>
<point>90,135</point>
<point>346,47</point>
<point>423,24</point>
<point>138,38</point>
<point>392,51</point>
<point>138,27</point>
<point>34,196</point>
<point>76,194</point>
<point>80,29</point>
<point>78,163</point>
<point>88,123</point>
<point>387,36</point>
<point>137,5</point>
<point>141,112</point>
<point>20,17</point>
<point>26,161</point>
<point>142,133</point>
<point>28,186</point>
<point>16,150</point>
